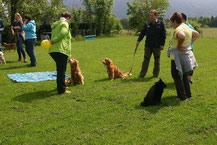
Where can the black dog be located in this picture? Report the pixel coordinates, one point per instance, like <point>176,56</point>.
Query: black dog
<point>154,94</point>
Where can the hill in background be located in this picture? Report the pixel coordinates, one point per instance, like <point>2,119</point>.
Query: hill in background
<point>192,8</point>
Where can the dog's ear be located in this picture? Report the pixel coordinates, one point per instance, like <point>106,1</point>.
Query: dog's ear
<point>109,61</point>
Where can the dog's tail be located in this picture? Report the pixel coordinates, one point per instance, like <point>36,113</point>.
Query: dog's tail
<point>127,74</point>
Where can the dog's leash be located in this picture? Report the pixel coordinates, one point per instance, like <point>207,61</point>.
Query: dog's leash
<point>131,68</point>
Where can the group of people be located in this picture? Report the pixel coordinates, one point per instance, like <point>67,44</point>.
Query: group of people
<point>23,32</point>
<point>180,50</point>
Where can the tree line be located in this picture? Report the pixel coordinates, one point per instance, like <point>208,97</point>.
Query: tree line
<point>96,13</point>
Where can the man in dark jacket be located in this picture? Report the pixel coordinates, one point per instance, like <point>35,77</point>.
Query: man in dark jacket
<point>155,39</point>
<point>1,30</point>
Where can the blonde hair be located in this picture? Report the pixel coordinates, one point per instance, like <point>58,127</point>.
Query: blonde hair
<point>18,15</point>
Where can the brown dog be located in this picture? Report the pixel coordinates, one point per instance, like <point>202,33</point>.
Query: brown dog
<point>76,75</point>
<point>9,46</point>
<point>113,71</point>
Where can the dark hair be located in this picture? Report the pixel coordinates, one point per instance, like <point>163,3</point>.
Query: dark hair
<point>184,16</point>
<point>154,11</point>
<point>66,15</point>
<point>28,17</point>
<point>176,16</point>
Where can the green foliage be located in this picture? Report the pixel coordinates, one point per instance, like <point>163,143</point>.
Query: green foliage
<point>41,10</point>
<point>100,12</point>
<point>138,11</point>
<point>76,19</point>
<point>108,112</point>
<point>207,21</point>
<point>196,25</point>
<point>117,27</point>
<point>124,23</point>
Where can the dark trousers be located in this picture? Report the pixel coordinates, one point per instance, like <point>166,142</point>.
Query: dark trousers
<point>61,65</point>
<point>148,52</point>
<point>20,48</point>
<point>182,85</point>
<point>30,50</point>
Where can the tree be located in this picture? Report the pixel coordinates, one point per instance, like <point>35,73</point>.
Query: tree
<point>138,11</point>
<point>100,12</point>
<point>76,19</point>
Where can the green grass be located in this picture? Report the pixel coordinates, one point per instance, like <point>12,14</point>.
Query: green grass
<point>104,111</point>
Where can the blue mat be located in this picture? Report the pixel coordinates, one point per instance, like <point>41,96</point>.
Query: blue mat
<point>34,76</point>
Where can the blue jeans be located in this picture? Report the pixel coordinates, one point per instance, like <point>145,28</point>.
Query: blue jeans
<point>20,48</point>
<point>30,50</point>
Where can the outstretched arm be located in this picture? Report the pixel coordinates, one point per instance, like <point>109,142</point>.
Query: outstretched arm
<point>181,38</point>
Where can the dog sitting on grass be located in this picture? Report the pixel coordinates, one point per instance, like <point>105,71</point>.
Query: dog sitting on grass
<point>2,58</point>
<point>154,95</point>
<point>9,46</point>
<point>76,74</point>
<point>113,71</point>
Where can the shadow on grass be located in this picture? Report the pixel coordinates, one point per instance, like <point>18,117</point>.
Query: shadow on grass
<point>165,102</point>
<point>14,67</point>
<point>136,80</point>
<point>10,61</point>
<point>102,80</point>
<point>29,97</point>
<point>171,86</point>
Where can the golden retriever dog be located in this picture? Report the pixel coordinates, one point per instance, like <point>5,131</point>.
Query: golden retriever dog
<point>76,74</point>
<point>2,58</point>
<point>9,46</point>
<point>113,71</point>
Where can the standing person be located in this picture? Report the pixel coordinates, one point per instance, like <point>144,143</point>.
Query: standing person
<point>184,20</point>
<point>61,49</point>
<point>155,40</point>
<point>19,34</point>
<point>29,27</point>
<point>1,30</point>
<point>182,58</point>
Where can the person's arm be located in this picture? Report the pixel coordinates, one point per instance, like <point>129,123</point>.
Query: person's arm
<point>64,31</point>
<point>141,35</point>
<point>180,38</point>
<point>163,36</point>
<point>12,30</point>
<point>26,26</point>
<point>195,35</point>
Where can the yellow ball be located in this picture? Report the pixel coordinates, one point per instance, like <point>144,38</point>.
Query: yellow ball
<point>45,44</point>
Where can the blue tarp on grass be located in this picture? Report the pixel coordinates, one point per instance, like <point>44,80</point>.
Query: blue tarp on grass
<point>34,76</point>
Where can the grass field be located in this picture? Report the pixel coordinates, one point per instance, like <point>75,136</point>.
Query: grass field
<point>108,112</point>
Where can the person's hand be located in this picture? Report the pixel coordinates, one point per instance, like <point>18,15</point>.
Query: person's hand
<point>182,49</point>
<point>51,41</point>
<point>161,47</point>
<point>26,20</point>
<point>12,27</point>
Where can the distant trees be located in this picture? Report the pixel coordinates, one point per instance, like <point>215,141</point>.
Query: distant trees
<point>138,11</point>
<point>100,13</point>
<point>208,21</point>
<point>41,10</point>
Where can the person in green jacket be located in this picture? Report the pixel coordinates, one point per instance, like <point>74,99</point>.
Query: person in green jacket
<point>61,49</point>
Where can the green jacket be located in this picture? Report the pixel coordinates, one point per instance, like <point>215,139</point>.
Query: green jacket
<point>61,36</point>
